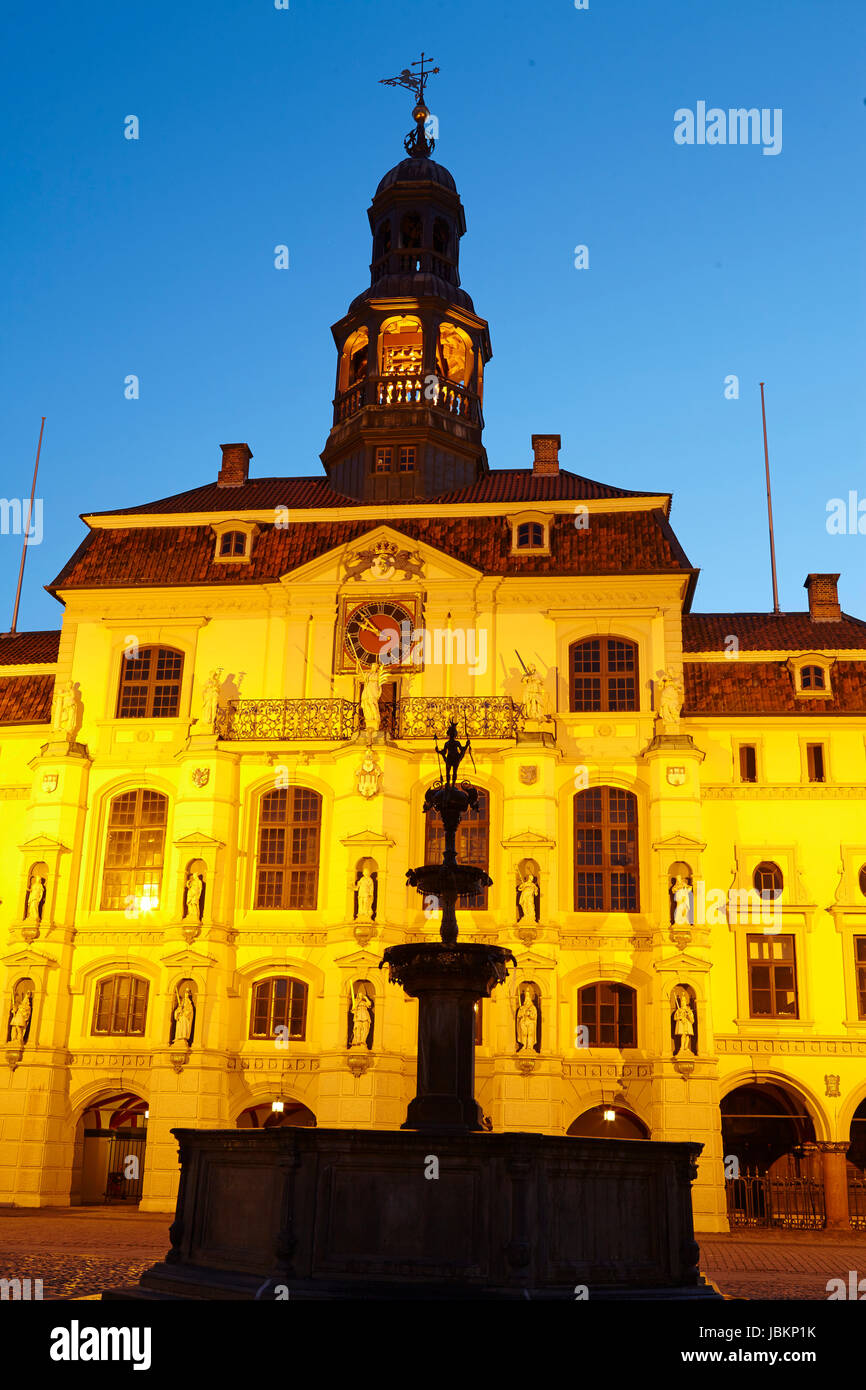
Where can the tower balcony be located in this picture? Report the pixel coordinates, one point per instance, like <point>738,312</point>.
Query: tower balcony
<point>336,721</point>
<point>412,389</point>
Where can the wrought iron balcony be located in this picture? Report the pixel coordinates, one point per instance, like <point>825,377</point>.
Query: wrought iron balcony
<point>411,389</point>
<point>333,720</point>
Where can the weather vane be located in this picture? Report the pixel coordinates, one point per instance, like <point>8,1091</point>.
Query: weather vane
<point>417,143</point>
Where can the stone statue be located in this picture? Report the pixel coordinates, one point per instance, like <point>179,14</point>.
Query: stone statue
<point>361,1019</point>
<point>368,776</point>
<point>20,1019</point>
<point>682,902</point>
<point>452,753</point>
<point>194,891</point>
<point>371,691</point>
<point>35,894</point>
<point>183,1017</point>
<point>66,712</point>
<point>670,699</point>
<point>527,897</point>
<point>527,1022</point>
<point>684,1023</point>
<point>210,699</point>
<point>534,697</point>
<point>365,888</point>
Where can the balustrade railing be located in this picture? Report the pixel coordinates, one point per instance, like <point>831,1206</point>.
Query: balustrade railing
<point>788,1200</point>
<point>414,388</point>
<point>857,1199</point>
<point>337,720</point>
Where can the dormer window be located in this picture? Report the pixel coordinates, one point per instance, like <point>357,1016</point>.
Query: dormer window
<point>234,541</point>
<point>530,533</point>
<point>811,676</point>
<point>232,545</point>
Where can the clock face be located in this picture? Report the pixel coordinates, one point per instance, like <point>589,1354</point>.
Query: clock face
<point>378,630</point>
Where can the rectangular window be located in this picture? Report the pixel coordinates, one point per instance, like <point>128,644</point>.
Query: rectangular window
<point>772,977</point>
<point>748,763</point>
<point>815,761</point>
<point>860,966</point>
<point>407,459</point>
<point>383,460</point>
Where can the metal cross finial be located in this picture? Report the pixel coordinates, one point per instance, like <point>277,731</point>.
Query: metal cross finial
<point>417,142</point>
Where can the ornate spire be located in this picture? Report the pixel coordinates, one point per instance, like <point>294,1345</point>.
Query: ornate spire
<point>418,144</point>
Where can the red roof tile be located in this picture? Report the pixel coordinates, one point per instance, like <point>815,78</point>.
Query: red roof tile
<point>770,632</point>
<point>29,648</point>
<point>522,485</point>
<point>259,494</point>
<point>614,543</point>
<point>766,687</point>
<point>26,699</point>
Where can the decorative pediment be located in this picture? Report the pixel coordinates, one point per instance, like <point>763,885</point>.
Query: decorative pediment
<point>382,556</point>
<point>363,839</point>
<point>528,839</point>
<point>680,841</point>
<point>358,960</point>
<point>683,964</point>
<point>188,960</point>
<point>43,844</point>
<point>198,840</point>
<point>27,958</point>
<point>533,960</point>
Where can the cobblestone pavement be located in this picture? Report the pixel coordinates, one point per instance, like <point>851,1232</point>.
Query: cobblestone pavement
<point>79,1251</point>
<point>781,1264</point>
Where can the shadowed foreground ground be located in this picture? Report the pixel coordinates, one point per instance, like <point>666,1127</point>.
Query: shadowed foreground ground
<point>78,1251</point>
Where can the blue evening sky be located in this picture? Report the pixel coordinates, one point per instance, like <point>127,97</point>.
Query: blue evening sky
<point>261,126</point>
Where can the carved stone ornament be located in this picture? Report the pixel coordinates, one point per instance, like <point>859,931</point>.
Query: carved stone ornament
<point>831,1085</point>
<point>676,776</point>
<point>369,775</point>
<point>528,774</point>
<point>385,561</point>
<point>201,776</point>
<point>49,781</point>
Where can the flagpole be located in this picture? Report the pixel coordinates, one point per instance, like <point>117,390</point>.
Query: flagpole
<point>769,506</point>
<point>14,626</point>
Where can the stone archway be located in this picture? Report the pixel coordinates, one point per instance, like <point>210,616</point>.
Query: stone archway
<point>109,1151</point>
<point>263,1116</point>
<point>608,1122</point>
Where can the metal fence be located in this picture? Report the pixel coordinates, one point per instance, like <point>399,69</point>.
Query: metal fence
<point>857,1199</point>
<point>125,1168</point>
<point>787,1200</point>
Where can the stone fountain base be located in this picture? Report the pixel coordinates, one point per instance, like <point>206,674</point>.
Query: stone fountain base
<point>360,1214</point>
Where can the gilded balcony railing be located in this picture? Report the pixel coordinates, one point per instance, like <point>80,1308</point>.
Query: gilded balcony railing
<point>411,389</point>
<point>275,720</point>
<point>496,716</point>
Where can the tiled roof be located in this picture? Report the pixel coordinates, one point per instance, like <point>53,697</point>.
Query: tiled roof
<point>29,648</point>
<point>264,494</point>
<point>770,632</point>
<point>766,687</point>
<point>522,485</point>
<point>259,494</point>
<point>614,543</point>
<point>26,699</point>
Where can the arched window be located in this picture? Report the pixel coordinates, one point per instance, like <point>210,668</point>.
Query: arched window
<point>440,236</point>
<point>233,543</point>
<point>605,851</point>
<point>401,348</point>
<point>383,240</point>
<point>812,678</point>
<point>767,879</point>
<point>290,824</point>
<point>134,852</point>
<point>609,1013</point>
<point>861,879</point>
<point>603,675</point>
<point>454,355</point>
<point>473,845</point>
<point>530,535</point>
<point>121,1006</point>
<point>410,231</point>
<point>150,684</point>
<point>280,1002</point>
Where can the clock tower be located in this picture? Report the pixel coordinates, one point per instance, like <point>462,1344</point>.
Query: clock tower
<point>411,350</point>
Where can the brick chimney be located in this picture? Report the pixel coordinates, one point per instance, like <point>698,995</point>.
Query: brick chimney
<point>823,598</point>
<point>545,449</point>
<point>235,465</point>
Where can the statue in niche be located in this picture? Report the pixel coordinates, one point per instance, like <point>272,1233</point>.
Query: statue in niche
<point>528,898</point>
<point>35,896</point>
<point>684,1023</point>
<point>527,1023</point>
<point>183,1017</point>
<point>210,698</point>
<point>670,699</point>
<point>682,906</point>
<point>66,712</point>
<point>194,894</point>
<point>20,1018</point>
<point>534,697</point>
<point>361,1018</point>
<point>366,889</point>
